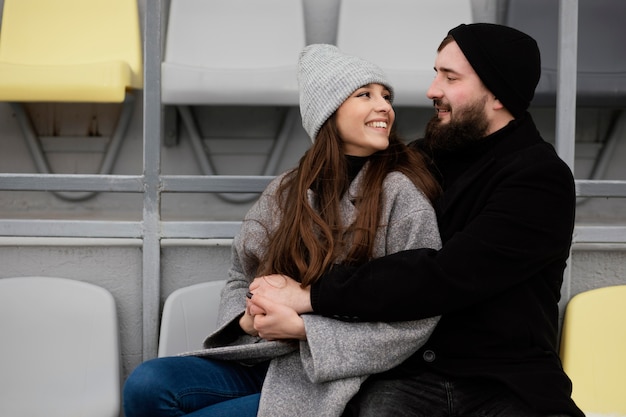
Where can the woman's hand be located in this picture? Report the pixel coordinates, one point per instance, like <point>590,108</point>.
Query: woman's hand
<point>280,289</point>
<point>276,321</point>
<point>246,322</point>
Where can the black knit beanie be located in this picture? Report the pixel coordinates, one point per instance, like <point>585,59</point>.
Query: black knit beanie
<point>506,60</point>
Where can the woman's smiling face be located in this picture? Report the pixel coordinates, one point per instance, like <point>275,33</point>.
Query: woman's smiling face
<point>364,120</point>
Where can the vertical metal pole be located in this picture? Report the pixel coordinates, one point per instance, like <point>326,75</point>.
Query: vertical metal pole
<point>566,105</point>
<point>566,76</point>
<point>152,132</point>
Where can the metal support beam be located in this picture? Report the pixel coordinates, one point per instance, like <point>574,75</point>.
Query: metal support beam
<point>566,86</point>
<point>566,104</point>
<point>152,133</point>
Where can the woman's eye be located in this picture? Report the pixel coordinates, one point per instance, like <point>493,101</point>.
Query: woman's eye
<point>387,97</point>
<point>363,94</point>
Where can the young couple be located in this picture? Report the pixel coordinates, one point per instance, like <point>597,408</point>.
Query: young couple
<point>360,308</point>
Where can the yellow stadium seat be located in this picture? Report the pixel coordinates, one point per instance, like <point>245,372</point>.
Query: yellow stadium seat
<point>593,349</point>
<point>69,50</point>
<point>57,53</point>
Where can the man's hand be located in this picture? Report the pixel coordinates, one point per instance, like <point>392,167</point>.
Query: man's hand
<point>277,322</point>
<point>280,289</point>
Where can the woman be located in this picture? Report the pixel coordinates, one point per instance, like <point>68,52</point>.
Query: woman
<point>357,193</point>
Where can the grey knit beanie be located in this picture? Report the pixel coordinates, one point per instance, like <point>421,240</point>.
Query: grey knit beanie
<point>326,78</point>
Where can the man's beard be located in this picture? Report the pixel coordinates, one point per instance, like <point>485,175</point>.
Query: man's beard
<point>465,128</point>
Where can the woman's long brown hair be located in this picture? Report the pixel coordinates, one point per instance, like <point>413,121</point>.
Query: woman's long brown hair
<point>309,240</point>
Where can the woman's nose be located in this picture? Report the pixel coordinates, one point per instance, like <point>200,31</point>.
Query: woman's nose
<point>383,104</point>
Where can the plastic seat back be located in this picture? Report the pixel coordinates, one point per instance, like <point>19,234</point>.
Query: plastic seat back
<point>239,52</point>
<point>601,64</point>
<point>593,349</point>
<point>69,50</point>
<point>59,354</point>
<point>189,315</point>
<point>405,44</point>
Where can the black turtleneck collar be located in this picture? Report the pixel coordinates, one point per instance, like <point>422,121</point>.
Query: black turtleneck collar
<point>355,163</point>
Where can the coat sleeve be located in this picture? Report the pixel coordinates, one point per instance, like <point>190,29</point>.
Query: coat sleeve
<point>246,249</point>
<point>336,349</point>
<point>502,231</point>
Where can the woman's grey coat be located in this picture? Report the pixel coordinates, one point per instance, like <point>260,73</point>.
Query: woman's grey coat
<point>318,376</point>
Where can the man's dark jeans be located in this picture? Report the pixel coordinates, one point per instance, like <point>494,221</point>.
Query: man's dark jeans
<point>431,395</point>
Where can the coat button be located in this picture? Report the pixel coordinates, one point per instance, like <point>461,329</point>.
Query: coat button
<point>429,356</point>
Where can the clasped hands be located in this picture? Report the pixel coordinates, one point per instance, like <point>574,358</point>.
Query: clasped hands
<point>273,307</point>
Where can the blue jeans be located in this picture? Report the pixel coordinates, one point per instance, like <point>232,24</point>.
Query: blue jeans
<point>432,395</point>
<point>193,387</point>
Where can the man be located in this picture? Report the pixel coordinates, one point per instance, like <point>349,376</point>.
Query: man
<point>506,218</point>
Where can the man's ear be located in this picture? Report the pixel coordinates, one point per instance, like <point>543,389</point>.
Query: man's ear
<point>497,104</point>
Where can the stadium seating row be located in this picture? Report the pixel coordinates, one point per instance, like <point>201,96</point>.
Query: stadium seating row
<point>244,52</point>
<point>61,344</point>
